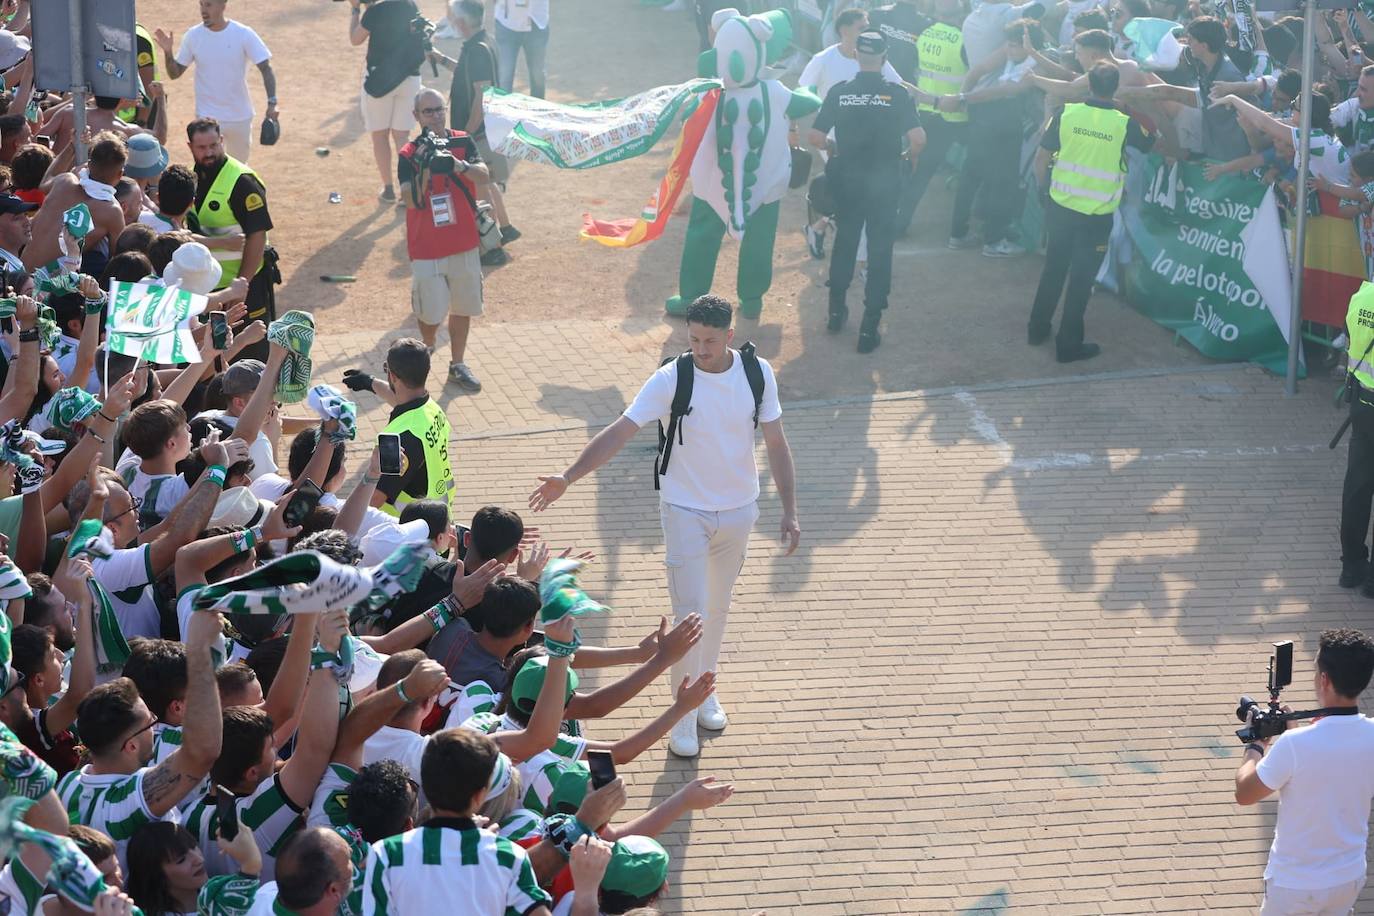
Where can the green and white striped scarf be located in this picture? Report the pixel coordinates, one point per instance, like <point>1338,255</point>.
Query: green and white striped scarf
<point>296,332</point>
<point>69,407</point>
<point>304,582</point>
<point>93,540</point>
<point>71,874</point>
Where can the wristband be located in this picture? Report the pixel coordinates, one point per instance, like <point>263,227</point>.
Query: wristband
<point>443,613</point>
<point>103,417</point>
<point>370,481</point>
<point>216,474</point>
<point>401,692</point>
<point>1255,746</point>
<point>29,336</point>
<point>93,306</point>
<point>558,649</point>
<point>256,534</point>
<point>96,436</point>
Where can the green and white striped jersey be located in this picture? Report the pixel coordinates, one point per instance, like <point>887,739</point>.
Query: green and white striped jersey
<point>521,824</point>
<point>268,812</point>
<point>449,866</point>
<point>20,891</point>
<point>329,808</point>
<point>540,772</point>
<point>112,804</point>
<point>238,895</point>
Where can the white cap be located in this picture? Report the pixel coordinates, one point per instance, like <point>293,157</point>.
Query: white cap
<point>381,540</point>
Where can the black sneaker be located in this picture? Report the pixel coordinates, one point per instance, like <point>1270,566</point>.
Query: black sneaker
<point>460,375</point>
<point>388,195</point>
<point>1036,336</point>
<point>1084,351</point>
<point>1352,573</point>
<point>838,316</point>
<point>509,234</point>
<point>869,340</point>
<point>495,258</point>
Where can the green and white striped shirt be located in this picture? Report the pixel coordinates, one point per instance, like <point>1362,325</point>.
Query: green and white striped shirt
<point>540,772</point>
<point>239,895</point>
<point>450,866</point>
<point>329,808</point>
<point>112,804</point>
<point>268,812</point>
<point>20,892</point>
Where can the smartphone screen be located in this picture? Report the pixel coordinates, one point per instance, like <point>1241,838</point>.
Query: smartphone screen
<point>1283,664</point>
<point>536,639</point>
<point>389,453</point>
<point>219,330</point>
<point>227,809</point>
<point>302,503</point>
<point>43,140</point>
<point>602,766</point>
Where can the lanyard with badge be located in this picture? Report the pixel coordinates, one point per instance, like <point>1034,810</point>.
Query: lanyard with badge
<point>441,206</point>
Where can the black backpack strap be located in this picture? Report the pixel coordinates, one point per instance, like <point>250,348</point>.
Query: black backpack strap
<point>682,401</point>
<point>754,373</point>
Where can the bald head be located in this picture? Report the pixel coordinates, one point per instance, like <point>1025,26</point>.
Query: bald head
<point>430,110</point>
<point>314,868</point>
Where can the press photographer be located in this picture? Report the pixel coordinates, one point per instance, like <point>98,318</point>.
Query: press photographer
<point>1324,775</point>
<point>439,173</point>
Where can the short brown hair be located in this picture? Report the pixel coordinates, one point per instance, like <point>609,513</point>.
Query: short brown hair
<point>456,765</point>
<point>165,245</point>
<point>107,715</point>
<point>151,425</point>
<point>200,124</point>
<point>158,669</point>
<point>245,730</point>
<point>29,165</point>
<point>398,667</point>
<point>95,845</point>
<point>234,678</point>
<point>108,150</point>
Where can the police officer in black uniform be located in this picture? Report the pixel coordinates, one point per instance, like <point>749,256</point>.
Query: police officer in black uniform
<point>870,116</point>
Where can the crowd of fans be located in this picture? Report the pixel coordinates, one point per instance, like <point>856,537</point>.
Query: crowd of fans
<point>1214,82</point>
<point>190,752</point>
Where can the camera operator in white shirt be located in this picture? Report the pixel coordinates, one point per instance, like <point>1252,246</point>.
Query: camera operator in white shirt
<point>1324,776</point>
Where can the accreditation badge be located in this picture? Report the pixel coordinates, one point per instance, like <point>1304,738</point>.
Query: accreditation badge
<point>441,205</point>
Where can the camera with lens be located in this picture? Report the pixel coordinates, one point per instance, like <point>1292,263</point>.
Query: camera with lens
<point>432,153</point>
<point>422,30</point>
<point>1261,724</point>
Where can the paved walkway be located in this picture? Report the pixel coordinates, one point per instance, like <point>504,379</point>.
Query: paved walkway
<point>1000,675</point>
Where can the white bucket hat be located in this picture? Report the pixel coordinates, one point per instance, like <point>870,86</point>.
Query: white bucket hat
<point>381,540</point>
<point>193,268</point>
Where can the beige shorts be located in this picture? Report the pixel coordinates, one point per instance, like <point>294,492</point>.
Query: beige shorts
<point>497,165</point>
<point>451,285</point>
<point>393,111</point>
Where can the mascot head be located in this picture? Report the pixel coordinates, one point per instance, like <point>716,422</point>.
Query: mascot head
<point>744,46</point>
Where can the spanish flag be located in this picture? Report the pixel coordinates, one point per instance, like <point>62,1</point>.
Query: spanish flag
<point>625,233</point>
<point>1334,266</point>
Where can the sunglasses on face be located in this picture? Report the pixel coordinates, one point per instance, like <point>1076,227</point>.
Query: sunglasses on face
<point>140,731</point>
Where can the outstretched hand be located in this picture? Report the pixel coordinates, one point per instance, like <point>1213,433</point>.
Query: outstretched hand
<point>548,491</point>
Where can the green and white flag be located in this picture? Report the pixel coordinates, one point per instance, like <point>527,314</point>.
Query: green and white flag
<point>588,135</point>
<point>153,322</point>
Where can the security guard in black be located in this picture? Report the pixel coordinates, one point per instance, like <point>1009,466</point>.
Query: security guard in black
<point>870,117</point>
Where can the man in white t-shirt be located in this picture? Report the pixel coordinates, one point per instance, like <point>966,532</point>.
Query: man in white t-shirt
<point>222,49</point>
<point>522,24</point>
<point>1324,774</point>
<point>710,485</point>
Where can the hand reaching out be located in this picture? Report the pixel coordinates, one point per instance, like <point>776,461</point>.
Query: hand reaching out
<point>693,694</point>
<point>468,589</point>
<point>548,492</point>
<point>705,792</point>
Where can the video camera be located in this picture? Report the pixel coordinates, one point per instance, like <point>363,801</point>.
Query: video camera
<point>1271,722</point>
<point>423,30</point>
<point>432,153</point>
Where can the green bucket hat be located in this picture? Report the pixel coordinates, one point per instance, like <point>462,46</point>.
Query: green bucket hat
<point>525,691</point>
<point>638,868</point>
<point>574,779</point>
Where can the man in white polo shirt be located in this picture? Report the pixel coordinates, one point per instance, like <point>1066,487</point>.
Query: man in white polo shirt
<point>522,24</point>
<point>1324,775</point>
<point>710,482</point>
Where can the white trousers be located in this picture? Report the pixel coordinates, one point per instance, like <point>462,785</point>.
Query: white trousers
<point>238,138</point>
<point>704,552</point>
<point>1326,901</point>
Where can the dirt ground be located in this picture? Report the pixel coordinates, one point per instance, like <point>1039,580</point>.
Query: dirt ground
<point>955,317</point>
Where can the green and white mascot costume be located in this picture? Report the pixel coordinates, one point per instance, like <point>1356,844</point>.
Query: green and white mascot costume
<point>742,169</point>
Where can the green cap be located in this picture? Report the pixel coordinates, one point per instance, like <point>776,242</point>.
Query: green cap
<point>638,868</point>
<point>525,691</point>
<point>569,789</point>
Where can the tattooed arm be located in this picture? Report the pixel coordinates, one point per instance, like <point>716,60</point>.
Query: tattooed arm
<point>202,732</point>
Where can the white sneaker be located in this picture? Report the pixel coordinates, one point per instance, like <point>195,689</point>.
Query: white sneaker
<point>682,741</point>
<point>710,716</point>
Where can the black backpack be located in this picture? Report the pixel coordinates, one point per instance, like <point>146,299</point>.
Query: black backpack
<point>682,400</point>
